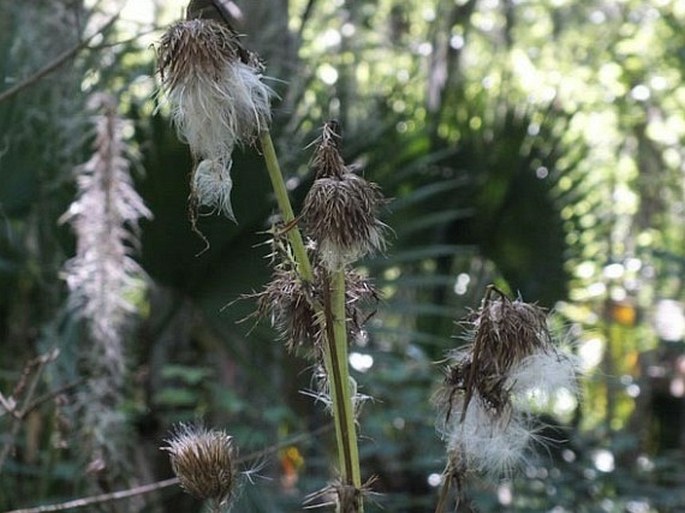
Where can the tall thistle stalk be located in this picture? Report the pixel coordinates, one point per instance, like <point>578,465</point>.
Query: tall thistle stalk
<point>219,101</point>
<point>281,192</point>
<point>335,350</point>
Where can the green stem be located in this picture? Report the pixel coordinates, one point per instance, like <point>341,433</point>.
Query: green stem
<point>335,359</point>
<point>347,412</point>
<point>294,235</point>
<point>335,350</point>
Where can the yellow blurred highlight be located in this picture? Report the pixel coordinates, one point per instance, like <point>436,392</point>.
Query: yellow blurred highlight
<point>623,313</point>
<point>292,462</point>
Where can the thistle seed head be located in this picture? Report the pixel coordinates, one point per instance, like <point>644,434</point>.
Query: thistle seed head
<point>214,86</point>
<point>506,332</point>
<point>291,304</point>
<point>339,214</point>
<point>483,401</point>
<point>204,462</point>
<point>217,97</point>
<point>340,210</point>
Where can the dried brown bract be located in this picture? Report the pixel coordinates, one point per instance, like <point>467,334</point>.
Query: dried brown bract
<point>345,497</point>
<point>294,306</point>
<point>289,302</point>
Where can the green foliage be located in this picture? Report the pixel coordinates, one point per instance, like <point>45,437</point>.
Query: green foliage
<point>526,144</point>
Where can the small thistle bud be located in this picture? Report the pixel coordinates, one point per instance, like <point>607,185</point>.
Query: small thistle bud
<point>340,209</point>
<point>204,462</point>
<point>217,96</point>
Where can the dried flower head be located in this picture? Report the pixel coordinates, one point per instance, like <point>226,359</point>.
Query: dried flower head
<point>218,99</point>
<point>505,331</point>
<point>345,497</point>
<point>289,302</point>
<point>293,306</point>
<point>340,210</point>
<point>488,383</point>
<point>204,462</point>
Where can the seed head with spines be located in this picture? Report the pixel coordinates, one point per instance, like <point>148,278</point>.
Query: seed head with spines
<point>340,210</point>
<point>218,100</point>
<point>204,462</point>
<point>293,306</point>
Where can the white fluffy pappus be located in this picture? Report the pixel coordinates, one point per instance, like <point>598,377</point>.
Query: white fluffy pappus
<point>335,257</point>
<point>543,373</point>
<point>212,185</point>
<point>486,442</point>
<point>214,113</point>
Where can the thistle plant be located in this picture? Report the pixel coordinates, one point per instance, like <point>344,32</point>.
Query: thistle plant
<point>484,402</point>
<point>218,100</point>
<point>316,300</point>
<point>319,305</point>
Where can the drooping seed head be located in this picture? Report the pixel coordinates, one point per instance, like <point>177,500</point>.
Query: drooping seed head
<point>217,97</point>
<point>214,86</point>
<point>204,462</point>
<point>485,398</point>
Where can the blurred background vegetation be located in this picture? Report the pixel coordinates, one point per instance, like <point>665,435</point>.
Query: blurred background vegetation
<point>534,144</point>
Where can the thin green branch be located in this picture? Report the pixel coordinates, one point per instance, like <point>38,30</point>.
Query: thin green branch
<point>294,235</point>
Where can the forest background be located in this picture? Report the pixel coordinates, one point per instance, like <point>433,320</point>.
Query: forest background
<point>537,145</point>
